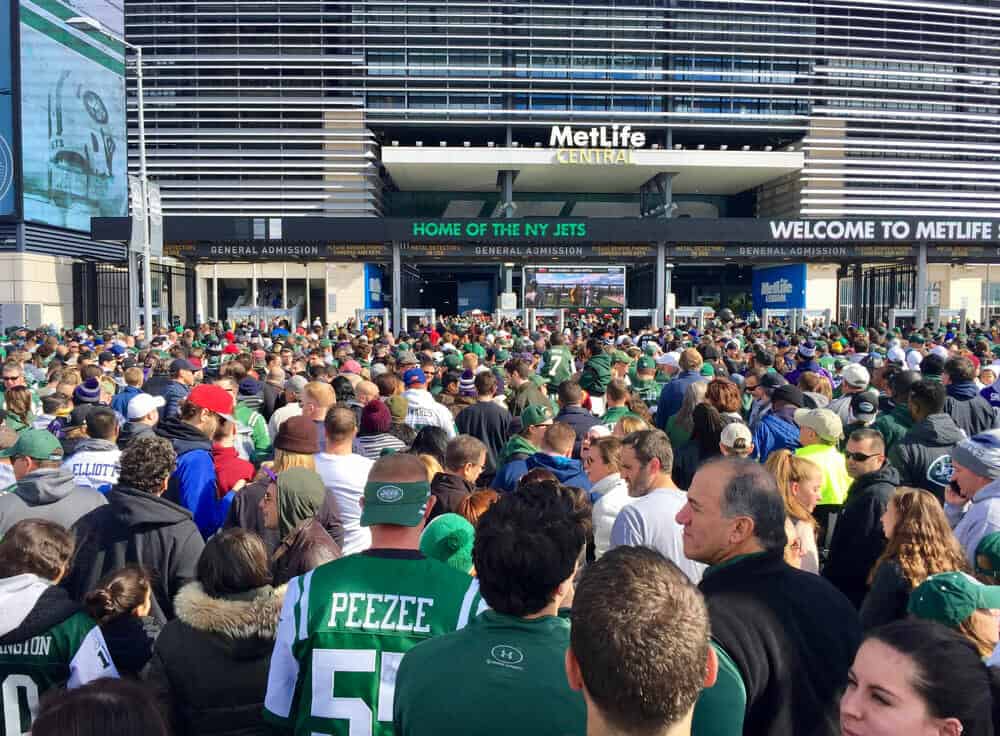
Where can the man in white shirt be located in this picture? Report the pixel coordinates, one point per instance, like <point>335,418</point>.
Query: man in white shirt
<point>646,462</point>
<point>344,474</point>
<point>294,387</point>
<point>424,410</point>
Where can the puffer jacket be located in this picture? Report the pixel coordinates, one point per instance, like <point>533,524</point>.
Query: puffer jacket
<point>209,665</point>
<point>923,456</point>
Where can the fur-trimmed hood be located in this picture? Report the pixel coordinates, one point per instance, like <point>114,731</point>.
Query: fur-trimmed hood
<point>256,617</point>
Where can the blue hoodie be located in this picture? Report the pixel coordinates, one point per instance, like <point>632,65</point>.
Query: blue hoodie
<point>569,472</point>
<point>120,401</point>
<point>774,432</point>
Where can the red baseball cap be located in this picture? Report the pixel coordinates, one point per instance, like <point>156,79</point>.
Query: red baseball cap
<point>214,398</point>
<point>230,349</point>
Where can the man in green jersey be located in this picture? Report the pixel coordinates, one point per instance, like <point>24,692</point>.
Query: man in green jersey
<point>509,662</point>
<point>345,626</point>
<point>639,651</point>
<point>46,640</point>
<point>557,362</point>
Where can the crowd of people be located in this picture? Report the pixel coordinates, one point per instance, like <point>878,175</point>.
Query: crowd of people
<point>472,527</point>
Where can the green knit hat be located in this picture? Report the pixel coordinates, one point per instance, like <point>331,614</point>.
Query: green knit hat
<point>449,539</point>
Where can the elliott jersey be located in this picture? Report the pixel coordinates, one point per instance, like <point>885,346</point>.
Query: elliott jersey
<point>343,630</point>
<point>70,654</point>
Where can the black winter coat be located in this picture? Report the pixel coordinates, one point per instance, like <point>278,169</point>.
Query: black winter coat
<point>137,527</point>
<point>886,601</point>
<point>971,412</point>
<point>580,420</point>
<point>918,456</point>
<point>858,539</point>
<point>792,636</point>
<point>489,422</point>
<point>209,665</point>
<point>450,491</point>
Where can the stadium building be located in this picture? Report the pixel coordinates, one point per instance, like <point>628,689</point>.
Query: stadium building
<point>326,156</point>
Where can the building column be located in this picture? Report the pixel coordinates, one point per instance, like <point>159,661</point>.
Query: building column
<point>397,288</point>
<point>284,285</point>
<point>308,296</point>
<point>133,291</point>
<point>215,292</point>
<point>920,303</point>
<point>253,285</point>
<point>661,285</point>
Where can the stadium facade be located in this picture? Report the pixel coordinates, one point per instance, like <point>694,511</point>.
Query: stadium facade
<point>268,120</point>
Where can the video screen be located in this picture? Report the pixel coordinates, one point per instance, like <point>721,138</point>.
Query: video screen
<point>74,149</point>
<point>574,288</point>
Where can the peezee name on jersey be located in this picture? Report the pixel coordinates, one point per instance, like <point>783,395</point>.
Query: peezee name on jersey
<point>380,612</point>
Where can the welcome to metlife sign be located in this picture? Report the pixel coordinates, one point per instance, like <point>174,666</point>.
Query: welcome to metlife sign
<point>885,230</point>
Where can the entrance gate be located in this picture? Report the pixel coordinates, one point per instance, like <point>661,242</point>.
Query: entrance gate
<point>415,318</point>
<point>363,315</point>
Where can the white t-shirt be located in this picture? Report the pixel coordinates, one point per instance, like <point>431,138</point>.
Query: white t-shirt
<point>345,476</point>
<point>651,521</point>
<point>280,415</point>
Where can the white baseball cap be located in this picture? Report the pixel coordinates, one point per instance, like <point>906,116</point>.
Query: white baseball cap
<point>668,359</point>
<point>142,404</point>
<point>736,436</point>
<point>856,375</point>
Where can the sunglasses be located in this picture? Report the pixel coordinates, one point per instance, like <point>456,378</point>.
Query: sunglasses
<point>860,457</point>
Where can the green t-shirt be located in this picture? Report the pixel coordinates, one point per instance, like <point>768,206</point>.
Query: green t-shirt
<point>70,654</point>
<point>343,630</point>
<point>612,415</point>
<point>557,365</point>
<point>720,709</point>
<point>501,674</point>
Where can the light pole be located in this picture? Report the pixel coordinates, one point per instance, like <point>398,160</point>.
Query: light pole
<point>92,24</point>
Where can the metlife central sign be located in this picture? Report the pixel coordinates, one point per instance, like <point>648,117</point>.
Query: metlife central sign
<point>605,145</point>
<point>779,287</point>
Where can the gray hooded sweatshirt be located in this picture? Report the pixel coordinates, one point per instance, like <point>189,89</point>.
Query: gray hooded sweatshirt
<point>47,493</point>
<point>976,519</point>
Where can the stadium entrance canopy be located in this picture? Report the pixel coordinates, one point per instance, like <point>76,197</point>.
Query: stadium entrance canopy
<point>570,241</point>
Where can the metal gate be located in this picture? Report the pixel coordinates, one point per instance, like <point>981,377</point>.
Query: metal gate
<point>868,293</point>
<point>100,294</point>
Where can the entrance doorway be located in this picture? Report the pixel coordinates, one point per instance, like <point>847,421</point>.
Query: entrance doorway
<point>715,285</point>
<point>451,289</point>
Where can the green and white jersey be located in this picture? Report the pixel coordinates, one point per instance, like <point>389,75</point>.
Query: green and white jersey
<point>343,630</point>
<point>557,365</point>
<point>71,653</point>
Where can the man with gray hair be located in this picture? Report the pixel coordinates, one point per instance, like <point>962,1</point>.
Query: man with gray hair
<point>646,463</point>
<point>294,387</point>
<point>790,634</point>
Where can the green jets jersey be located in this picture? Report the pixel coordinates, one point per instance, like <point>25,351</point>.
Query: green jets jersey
<point>557,365</point>
<point>344,628</point>
<point>648,391</point>
<point>70,654</point>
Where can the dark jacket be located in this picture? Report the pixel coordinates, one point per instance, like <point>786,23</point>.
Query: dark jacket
<point>269,394</point>
<point>130,642</point>
<point>450,491</point>
<point>889,595</point>
<point>923,456</point>
<point>245,513</point>
<point>174,392</point>
<point>580,420</point>
<point>567,471</point>
<point>858,539</point>
<point>307,547</point>
<point>672,396</point>
<point>130,431</point>
<point>488,422</point>
<point>792,636</point>
<point>137,527</point>
<point>193,483</point>
<point>971,412</point>
<point>47,493</point>
<point>209,665</point>
<point>525,394</point>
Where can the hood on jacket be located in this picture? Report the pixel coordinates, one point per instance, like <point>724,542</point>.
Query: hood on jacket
<point>131,430</point>
<point>91,445</point>
<point>886,474</point>
<point>132,507</point>
<point>250,615</point>
<point>30,605</point>
<point>937,430</point>
<point>183,436</point>
<point>596,374</point>
<point>566,469</point>
<point>300,497</point>
<point>420,397</point>
<point>963,390</point>
<point>46,485</point>
<point>607,484</point>
<point>516,445</point>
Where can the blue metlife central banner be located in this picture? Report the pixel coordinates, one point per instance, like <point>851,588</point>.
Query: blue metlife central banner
<point>779,287</point>
<point>74,147</point>
<point>8,190</point>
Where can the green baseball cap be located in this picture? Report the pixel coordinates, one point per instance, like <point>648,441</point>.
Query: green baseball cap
<point>389,502</point>
<point>38,444</point>
<point>951,597</point>
<point>453,360</point>
<point>651,348</point>
<point>620,356</point>
<point>645,363</point>
<point>536,414</point>
<point>502,356</point>
<point>988,555</point>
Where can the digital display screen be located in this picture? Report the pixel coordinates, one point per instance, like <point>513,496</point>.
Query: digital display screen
<point>547,287</point>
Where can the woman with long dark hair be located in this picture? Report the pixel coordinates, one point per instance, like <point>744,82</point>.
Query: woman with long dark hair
<point>706,434</point>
